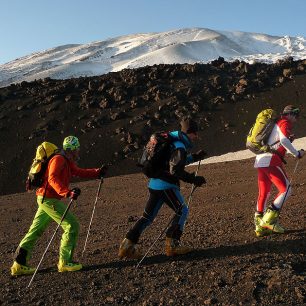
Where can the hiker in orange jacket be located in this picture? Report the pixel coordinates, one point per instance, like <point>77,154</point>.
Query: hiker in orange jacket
<point>61,168</point>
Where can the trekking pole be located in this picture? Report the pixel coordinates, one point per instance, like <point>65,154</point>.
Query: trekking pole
<point>93,212</point>
<point>193,188</point>
<point>63,217</point>
<point>296,165</point>
<point>152,245</point>
<point>289,185</point>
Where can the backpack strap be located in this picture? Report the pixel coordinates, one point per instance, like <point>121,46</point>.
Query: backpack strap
<point>279,155</point>
<point>276,152</point>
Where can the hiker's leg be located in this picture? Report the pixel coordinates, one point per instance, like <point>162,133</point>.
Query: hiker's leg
<point>280,180</point>
<point>152,207</point>
<point>270,219</point>
<point>40,222</point>
<point>175,201</point>
<point>173,245</point>
<point>264,188</point>
<point>70,225</point>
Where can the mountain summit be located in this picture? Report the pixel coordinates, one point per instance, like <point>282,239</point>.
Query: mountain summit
<point>192,45</point>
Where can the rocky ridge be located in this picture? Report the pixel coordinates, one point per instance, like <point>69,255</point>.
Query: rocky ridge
<point>114,114</point>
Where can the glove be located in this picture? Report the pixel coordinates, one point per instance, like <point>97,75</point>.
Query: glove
<point>102,171</point>
<point>199,181</point>
<point>291,137</point>
<point>198,155</point>
<point>301,153</point>
<point>74,193</point>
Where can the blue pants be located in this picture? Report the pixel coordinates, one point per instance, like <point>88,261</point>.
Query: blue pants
<point>174,199</point>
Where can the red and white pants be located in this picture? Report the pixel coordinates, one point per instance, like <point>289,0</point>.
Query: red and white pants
<point>276,176</point>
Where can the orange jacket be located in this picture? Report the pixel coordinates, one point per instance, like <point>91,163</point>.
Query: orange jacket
<point>58,175</point>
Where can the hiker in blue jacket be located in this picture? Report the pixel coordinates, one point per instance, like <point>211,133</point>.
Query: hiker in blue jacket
<point>165,189</point>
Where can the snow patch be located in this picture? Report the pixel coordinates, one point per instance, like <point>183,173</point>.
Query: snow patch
<point>193,45</point>
<point>299,143</point>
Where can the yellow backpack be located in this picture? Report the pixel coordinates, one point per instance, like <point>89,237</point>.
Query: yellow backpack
<point>44,153</point>
<point>259,133</point>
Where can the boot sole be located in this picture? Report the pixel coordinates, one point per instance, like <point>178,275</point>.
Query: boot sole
<point>264,233</point>
<point>178,254</point>
<point>128,256</point>
<point>273,231</point>
<point>21,274</point>
<point>63,271</point>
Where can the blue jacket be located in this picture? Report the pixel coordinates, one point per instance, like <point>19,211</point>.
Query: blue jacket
<point>180,157</point>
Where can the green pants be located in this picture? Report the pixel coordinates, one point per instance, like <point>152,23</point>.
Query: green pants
<point>52,209</point>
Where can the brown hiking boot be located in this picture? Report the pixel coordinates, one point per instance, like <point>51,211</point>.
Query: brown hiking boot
<point>174,247</point>
<point>128,250</point>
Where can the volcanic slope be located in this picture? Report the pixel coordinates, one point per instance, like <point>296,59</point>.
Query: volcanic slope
<point>229,266</point>
<point>113,115</point>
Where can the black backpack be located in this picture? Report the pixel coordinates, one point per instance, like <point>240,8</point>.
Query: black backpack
<point>156,155</point>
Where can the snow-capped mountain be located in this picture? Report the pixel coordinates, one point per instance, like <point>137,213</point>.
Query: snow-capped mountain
<point>180,46</point>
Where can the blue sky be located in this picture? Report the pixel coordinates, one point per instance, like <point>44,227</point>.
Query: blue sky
<point>28,26</point>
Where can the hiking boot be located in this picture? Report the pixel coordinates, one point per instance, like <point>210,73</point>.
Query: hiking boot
<point>68,266</point>
<point>263,232</point>
<point>259,230</point>
<point>270,221</point>
<point>18,269</point>
<point>128,250</point>
<point>174,247</point>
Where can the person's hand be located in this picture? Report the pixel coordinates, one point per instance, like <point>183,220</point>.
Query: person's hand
<point>74,193</point>
<point>199,155</point>
<point>291,137</point>
<point>301,153</point>
<point>102,171</point>
<point>199,181</point>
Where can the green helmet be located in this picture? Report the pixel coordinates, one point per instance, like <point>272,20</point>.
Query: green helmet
<point>71,143</point>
